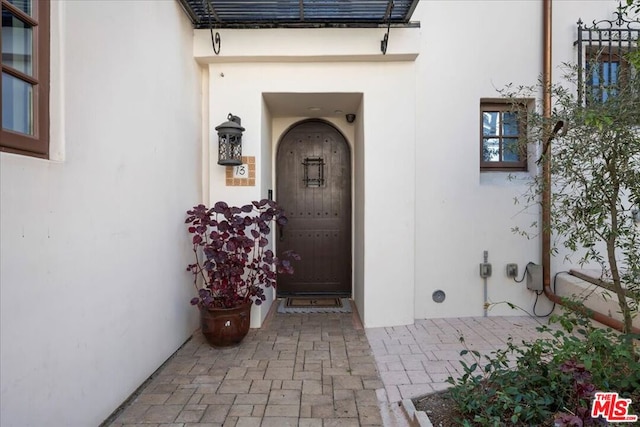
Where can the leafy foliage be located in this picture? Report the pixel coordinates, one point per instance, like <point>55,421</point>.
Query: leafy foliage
<point>595,172</point>
<point>549,381</point>
<point>592,141</point>
<point>232,261</point>
<point>632,6</point>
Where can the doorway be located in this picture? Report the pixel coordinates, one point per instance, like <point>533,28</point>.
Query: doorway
<point>313,186</point>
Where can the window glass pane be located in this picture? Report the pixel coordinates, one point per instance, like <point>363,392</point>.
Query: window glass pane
<point>604,79</point>
<point>17,43</point>
<point>491,149</point>
<point>610,73</point>
<point>511,151</point>
<point>607,93</point>
<point>594,81</point>
<point>23,5</point>
<point>17,105</point>
<point>510,123</point>
<point>490,122</point>
<point>605,71</point>
<point>610,77</point>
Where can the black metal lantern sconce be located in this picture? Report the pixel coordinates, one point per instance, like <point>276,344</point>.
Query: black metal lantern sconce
<point>230,141</point>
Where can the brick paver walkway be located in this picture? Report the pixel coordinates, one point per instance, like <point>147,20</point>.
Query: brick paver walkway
<point>314,370</point>
<point>298,370</point>
<point>417,359</point>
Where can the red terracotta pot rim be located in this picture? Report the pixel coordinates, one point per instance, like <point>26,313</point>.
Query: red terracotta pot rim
<point>206,307</point>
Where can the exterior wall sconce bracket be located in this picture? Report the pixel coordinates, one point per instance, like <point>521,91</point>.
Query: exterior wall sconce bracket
<point>385,41</point>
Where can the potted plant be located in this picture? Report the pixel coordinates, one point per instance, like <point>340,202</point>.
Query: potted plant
<point>233,265</point>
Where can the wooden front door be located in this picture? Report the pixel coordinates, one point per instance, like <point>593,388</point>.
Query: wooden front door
<point>313,185</point>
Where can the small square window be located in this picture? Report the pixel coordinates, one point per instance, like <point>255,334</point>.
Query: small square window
<point>502,136</point>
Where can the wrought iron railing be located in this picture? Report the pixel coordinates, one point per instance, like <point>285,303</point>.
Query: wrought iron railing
<point>603,49</point>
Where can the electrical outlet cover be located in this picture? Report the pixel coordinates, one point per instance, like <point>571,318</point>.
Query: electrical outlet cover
<point>485,270</point>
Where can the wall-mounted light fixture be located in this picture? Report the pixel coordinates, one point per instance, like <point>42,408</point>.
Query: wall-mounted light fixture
<point>230,141</point>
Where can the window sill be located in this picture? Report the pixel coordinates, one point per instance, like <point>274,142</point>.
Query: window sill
<point>505,178</point>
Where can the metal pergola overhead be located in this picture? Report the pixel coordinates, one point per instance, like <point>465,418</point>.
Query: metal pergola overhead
<point>297,13</point>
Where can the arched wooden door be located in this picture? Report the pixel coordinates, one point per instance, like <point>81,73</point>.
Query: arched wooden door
<point>313,185</point>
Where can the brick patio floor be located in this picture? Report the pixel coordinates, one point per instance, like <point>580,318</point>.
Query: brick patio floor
<point>417,359</point>
<point>312,370</point>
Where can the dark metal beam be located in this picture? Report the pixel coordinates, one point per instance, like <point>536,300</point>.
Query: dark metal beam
<point>387,14</point>
<point>411,9</point>
<point>385,41</point>
<point>298,13</point>
<point>307,24</point>
<point>212,10</point>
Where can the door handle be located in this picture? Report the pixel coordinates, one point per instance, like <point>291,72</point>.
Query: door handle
<point>281,231</point>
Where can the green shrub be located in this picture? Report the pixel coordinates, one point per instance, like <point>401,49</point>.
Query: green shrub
<point>549,380</point>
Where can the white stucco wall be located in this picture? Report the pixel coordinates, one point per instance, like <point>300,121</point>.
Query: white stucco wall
<point>359,250</point>
<point>255,62</point>
<point>461,212</point>
<point>423,212</point>
<point>388,291</point>
<point>94,294</point>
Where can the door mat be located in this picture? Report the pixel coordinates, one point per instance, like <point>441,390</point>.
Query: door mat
<point>314,305</point>
<point>324,302</point>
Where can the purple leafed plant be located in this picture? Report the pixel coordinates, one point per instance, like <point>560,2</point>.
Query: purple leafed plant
<point>583,392</point>
<point>232,263</point>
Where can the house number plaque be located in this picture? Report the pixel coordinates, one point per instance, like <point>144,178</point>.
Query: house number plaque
<point>243,175</point>
<point>241,171</point>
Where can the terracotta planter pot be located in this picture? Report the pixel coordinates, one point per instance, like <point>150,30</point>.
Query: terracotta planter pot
<point>224,327</point>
